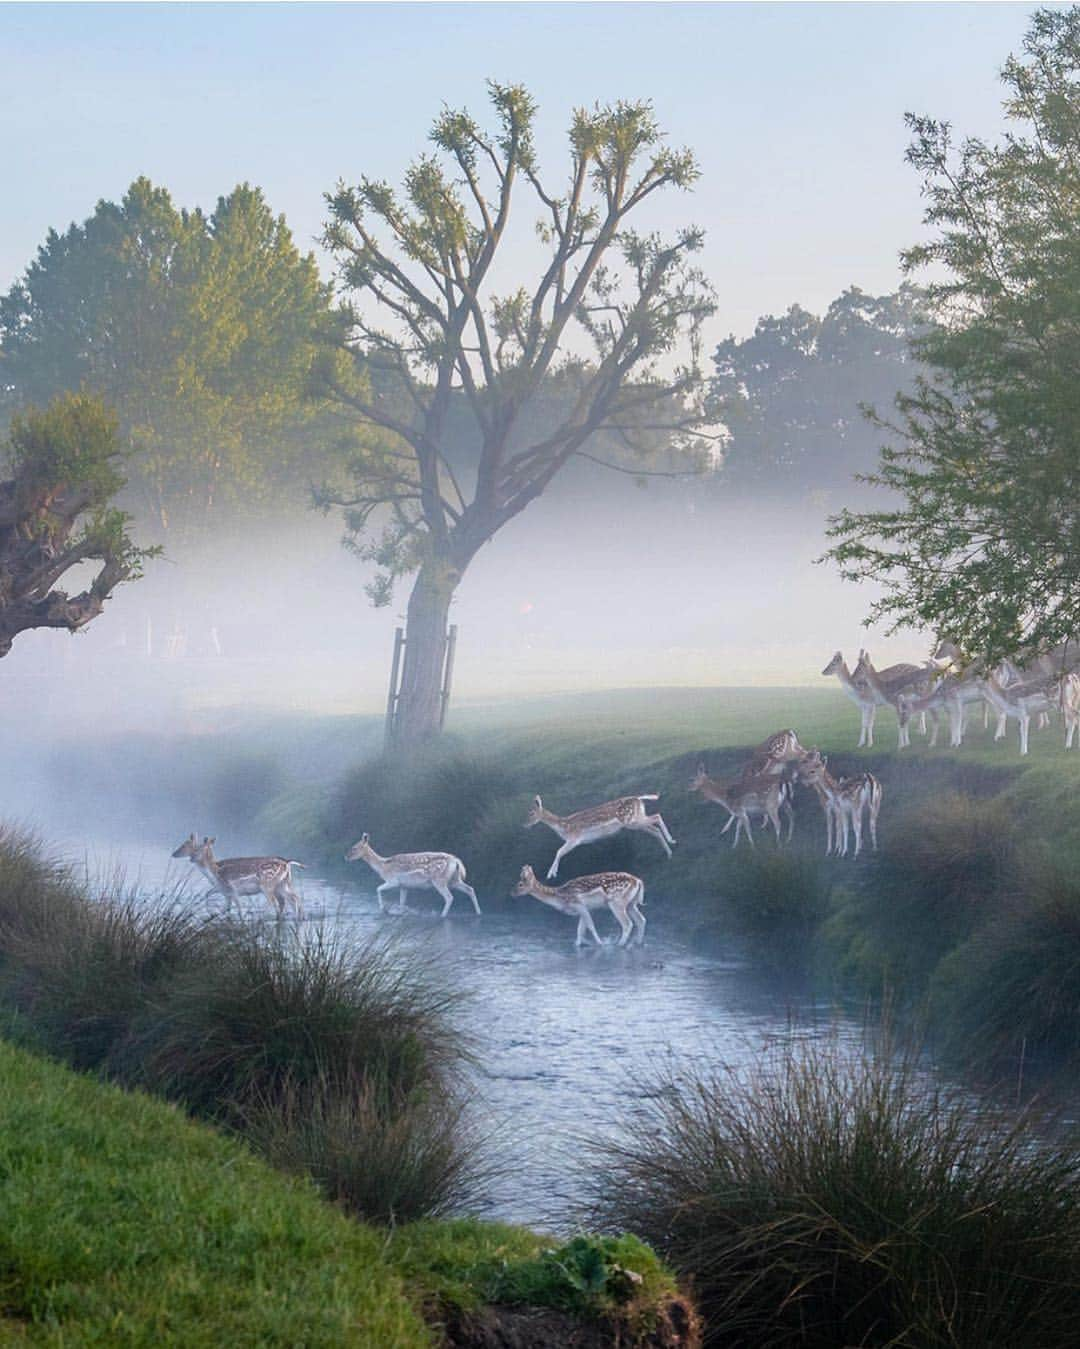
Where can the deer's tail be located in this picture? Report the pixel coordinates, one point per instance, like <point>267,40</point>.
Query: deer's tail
<point>649,796</point>
<point>294,863</point>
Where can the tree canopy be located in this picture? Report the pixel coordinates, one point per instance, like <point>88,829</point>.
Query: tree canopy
<point>200,330</point>
<point>55,515</point>
<point>985,452</point>
<point>791,394</point>
<point>608,330</point>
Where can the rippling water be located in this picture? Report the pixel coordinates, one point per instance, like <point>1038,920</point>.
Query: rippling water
<point>566,1039</point>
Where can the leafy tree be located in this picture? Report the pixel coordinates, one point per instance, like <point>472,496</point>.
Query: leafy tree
<point>608,334</point>
<point>55,516</point>
<point>985,453</point>
<point>790,395</point>
<point>199,330</point>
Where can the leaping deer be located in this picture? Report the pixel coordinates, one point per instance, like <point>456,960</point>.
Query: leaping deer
<point>618,891</point>
<point>236,876</point>
<point>596,822</point>
<point>439,871</point>
<point>759,796</point>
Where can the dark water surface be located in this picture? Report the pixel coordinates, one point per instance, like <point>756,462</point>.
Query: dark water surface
<point>566,1039</point>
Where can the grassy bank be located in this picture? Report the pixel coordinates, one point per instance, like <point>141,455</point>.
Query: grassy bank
<point>127,1224</point>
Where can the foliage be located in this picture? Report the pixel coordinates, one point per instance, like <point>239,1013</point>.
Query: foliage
<point>791,394</point>
<point>55,515</point>
<point>200,330</point>
<point>422,262</point>
<point>985,543</point>
<point>835,1199</point>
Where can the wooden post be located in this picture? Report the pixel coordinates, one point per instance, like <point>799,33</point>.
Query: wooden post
<point>392,696</point>
<point>448,673</point>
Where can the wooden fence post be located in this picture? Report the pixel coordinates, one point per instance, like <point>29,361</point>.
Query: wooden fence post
<point>392,696</point>
<point>448,673</point>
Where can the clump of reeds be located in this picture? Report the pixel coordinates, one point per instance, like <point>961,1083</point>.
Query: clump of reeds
<point>832,1197</point>
<point>338,1060</point>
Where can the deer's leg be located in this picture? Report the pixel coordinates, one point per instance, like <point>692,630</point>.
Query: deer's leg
<point>638,920</point>
<point>467,889</point>
<point>289,895</point>
<point>568,846</point>
<point>659,819</point>
<point>856,825</point>
<point>447,897</point>
<point>999,730</point>
<point>380,894</point>
<point>586,924</point>
<point>744,820</point>
<point>862,727</point>
<point>787,806</point>
<point>623,921</point>
<point>649,826</point>
<point>871,713</point>
<point>1025,724</point>
<point>774,820</point>
<point>272,897</point>
<point>875,806</point>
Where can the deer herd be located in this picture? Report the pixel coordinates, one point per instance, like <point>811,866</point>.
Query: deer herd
<point>762,793</point>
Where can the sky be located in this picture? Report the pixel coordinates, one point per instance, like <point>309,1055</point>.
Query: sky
<point>795,112</point>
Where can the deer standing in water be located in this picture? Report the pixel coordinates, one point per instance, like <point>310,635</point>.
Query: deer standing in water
<point>596,822</point>
<point>439,871</point>
<point>844,802</point>
<point>618,891</point>
<point>236,876</point>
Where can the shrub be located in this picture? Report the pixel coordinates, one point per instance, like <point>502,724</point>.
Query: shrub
<point>831,1199</point>
<point>276,1011</point>
<point>777,900</point>
<point>384,1159</point>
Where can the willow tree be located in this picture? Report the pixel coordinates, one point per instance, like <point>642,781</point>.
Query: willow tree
<point>56,517</point>
<point>436,321</point>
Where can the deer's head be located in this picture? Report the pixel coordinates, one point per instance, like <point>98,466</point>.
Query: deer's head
<point>699,780</point>
<point>864,667</point>
<point>812,767</point>
<point>526,881</point>
<point>835,665</point>
<point>536,813</point>
<point>188,848</point>
<point>360,851</point>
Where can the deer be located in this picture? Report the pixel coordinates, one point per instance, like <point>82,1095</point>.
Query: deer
<point>236,876</point>
<point>777,757</point>
<point>859,694</point>
<point>844,802</point>
<point>439,871</point>
<point>888,685</point>
<point>618,891</point>
<point>1019,700</point>
<point>1069,698</point>
<point>596,822</point>
<point>759,796</point>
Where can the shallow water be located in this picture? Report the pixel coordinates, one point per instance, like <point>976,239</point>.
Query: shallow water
<point>566,1038</point>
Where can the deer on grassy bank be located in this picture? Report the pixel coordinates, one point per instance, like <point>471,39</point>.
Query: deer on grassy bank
<point>236,876</point>
<point>844,802</point>
<point>758,797</point>
<point>596,822</point>
<point>1069,697</point>
<point>889,686</point>
<point>1020,700</point>
<point>618,891</point>
<point>859,694</point>
<point>439,871</point>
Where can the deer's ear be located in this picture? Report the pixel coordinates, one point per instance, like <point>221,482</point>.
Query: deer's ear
<point>538,803</point>
<point>363,838</point>
<point>194,837</point>
<point>701,769</point>
<point>212,841</point>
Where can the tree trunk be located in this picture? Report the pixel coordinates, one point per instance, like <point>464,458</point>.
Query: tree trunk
<point>419,706</point>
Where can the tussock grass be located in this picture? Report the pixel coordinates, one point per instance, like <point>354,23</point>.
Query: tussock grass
<point>340,1060</point>
<point>827,1199</point>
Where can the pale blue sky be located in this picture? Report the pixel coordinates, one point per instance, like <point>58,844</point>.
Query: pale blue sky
<point>795,111</point>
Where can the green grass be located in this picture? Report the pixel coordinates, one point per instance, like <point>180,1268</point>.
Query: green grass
<point>124,1223</point>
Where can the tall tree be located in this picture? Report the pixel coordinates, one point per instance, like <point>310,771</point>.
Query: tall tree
<point>791,394</point>
<point>55,515</point>
<point>985,453</point>
<point>611,321</point>
<point>199,330</point>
